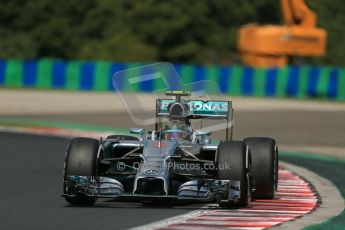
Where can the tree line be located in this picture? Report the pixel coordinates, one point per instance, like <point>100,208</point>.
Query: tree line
<point>192,31</point>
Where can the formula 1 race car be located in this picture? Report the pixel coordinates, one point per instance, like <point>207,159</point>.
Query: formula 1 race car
<point>173,162</point>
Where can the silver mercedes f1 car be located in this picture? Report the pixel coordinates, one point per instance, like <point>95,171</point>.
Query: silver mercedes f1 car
<point>174,161</point>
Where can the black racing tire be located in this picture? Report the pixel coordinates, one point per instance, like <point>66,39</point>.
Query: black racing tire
<point>123,137</point>
<point>237,155</point>
<point>81,160</point>
<point>264,166</point>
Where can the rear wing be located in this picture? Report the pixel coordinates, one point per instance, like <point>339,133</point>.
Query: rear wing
<point>199,109</point>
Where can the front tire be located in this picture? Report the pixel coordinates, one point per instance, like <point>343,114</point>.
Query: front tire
<point>265,166</point>
<point>235,153</point>
<point>81,160</point>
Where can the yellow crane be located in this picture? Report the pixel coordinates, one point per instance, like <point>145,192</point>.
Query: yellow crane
<point>270,45</point>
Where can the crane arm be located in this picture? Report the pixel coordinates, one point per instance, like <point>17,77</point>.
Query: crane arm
<point>296,12</point>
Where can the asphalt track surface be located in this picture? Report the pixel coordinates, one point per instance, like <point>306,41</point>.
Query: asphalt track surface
<point>31,185</point>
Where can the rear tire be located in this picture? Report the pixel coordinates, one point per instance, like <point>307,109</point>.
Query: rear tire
<point>237,155</point>
<point>264,166</point>
<point>81,160</point>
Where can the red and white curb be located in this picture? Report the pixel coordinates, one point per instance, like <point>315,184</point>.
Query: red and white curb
<point>295,198</point>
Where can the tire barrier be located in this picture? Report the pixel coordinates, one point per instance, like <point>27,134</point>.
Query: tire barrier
<point>301,82</point>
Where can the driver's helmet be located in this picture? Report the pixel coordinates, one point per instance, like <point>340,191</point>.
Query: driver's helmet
<point>176,130</point>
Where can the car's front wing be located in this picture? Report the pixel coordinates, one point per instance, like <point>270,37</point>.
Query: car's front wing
<point>195,190</point>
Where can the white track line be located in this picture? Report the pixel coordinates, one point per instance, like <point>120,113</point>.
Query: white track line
<point>172,220</point>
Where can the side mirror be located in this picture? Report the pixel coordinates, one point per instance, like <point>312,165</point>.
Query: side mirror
<point>201,136</point>
<point>201,132</point>
<point>139,131</point>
